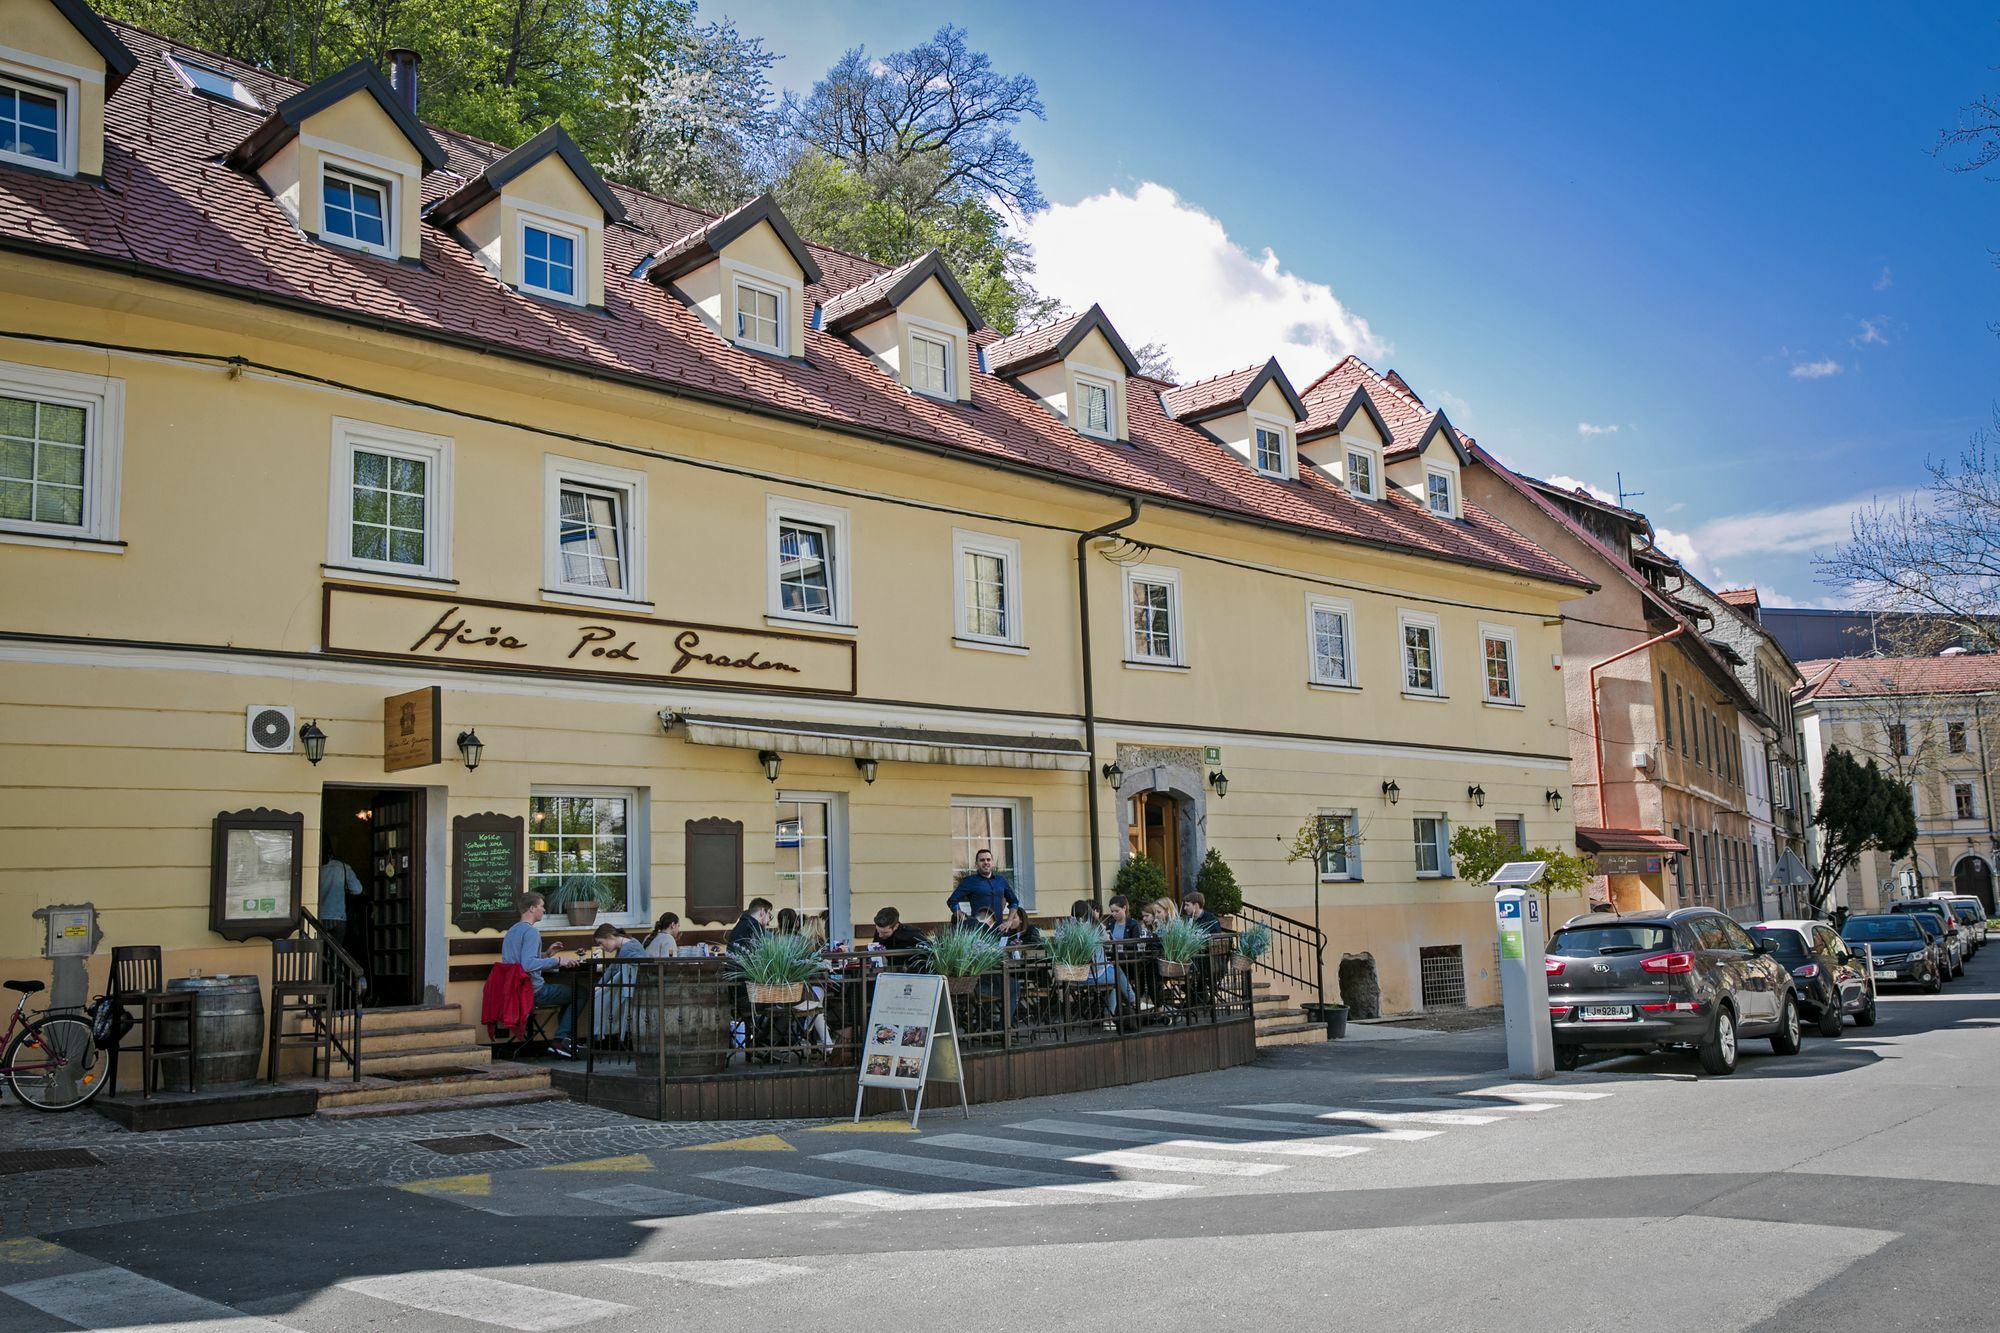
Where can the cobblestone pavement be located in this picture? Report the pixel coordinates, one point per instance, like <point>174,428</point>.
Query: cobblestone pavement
<point>151,1175</point>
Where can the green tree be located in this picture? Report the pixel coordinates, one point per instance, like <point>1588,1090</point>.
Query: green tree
<point>1141,880</point>
<point>1860,809</point>
<point>1216,883</point>
<point>1478,850</point>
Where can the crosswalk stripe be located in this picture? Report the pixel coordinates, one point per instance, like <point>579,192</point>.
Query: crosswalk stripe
<point>112,1298</point>
<point>650,1200</point>
<point>1005,1176</point>
<point>1446,1103</point>
<point>1134,1161</point>
<point>818,1194</point>
<point>485,1300</point>
<point>1162,1138</point>
<point>727,1273</point>
<point>1359,1117</point>
<point>1204,1121</point>
<point>1538,1094</point>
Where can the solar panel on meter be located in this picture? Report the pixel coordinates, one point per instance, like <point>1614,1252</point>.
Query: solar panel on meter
<point>1517,872</point>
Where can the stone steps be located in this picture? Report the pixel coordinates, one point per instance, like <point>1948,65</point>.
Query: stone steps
<point>438,1092</point>
<point>421,1106</point>
<point>1282,1023</point>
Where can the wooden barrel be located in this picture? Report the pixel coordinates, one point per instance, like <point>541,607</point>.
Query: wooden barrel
<point>229,1030</point>
<point>680,1019</point>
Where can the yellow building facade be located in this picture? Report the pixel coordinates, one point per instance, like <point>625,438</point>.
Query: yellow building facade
<point>683,616</point>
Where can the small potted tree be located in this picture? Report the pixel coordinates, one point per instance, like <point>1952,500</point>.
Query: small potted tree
<point>580,897</point>
<point>1181,941</point>
<point>963,954</point>
<point>775,968</point>
<point>1216,883</point>
<point>1141,880</point>
<point>1317,840</point>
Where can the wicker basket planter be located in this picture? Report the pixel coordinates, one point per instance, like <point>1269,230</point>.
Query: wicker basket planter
<point>1239,963</point>
<point>1172,969</point>
<point>959,986</point>
<point>1070,974</point>
<point>782,993</point>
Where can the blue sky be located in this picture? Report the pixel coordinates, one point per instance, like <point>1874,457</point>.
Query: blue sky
<point>1718,230</point>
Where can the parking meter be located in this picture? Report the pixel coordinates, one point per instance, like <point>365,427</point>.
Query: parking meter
<point>1524,981</point>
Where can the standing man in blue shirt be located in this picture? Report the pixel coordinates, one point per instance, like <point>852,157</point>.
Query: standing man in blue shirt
<point>523,948</point>
<point>337,883</point>
<point>984,887</point>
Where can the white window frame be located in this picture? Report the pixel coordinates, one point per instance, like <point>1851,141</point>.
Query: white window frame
<point>237,94</point>
<point>630,487</point>
<point>370,437</point>
<point>1405,620</point>
<point>778,510</point>
<point>789,293</point>
<point>1340,606</point>
<point>577,236</point>
<point>1442,844</point>
<point>357,174</point>
<point>1373,491</point>
<point>964,545</point>
<point>1500,633</point>
<point>66,86</point>
<point>1444,475</point>
<point>1285,470</point>
<point>638,848</point>
<point>1080,419</point>
<point>954,355</point>
<point>103,402</point>
<point>1022,874</point>
<point>1352,857</point>
<point>1176,621</point>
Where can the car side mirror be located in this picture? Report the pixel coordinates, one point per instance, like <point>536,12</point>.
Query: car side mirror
<point>1843,957</point>
<point>1767,946</point>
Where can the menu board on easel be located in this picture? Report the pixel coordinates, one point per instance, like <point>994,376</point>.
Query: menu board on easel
<point>487,871</point>
<point>910,1039</point>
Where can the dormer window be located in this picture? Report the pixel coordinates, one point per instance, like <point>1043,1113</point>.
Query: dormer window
<point>34,124</point>
<point>1272,447</point>
<point>550,255</point>
<point>1438,495</point>
<point>760,316</point>
<point>931,358</point>
<point>356,210</point>
<point>1094,414</point>
<point>1361,470</point>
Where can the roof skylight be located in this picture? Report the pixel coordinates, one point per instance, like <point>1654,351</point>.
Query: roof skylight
<point>202,79</point>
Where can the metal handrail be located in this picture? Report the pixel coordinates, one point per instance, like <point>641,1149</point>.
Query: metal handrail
<point>1298,950</point>
<point>346,985</point>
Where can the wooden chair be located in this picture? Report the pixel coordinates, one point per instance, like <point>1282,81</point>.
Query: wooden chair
<point>138,986</point>
<point>299,989</point>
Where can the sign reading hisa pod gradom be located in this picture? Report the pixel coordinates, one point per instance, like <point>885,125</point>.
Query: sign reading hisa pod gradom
<point>469,634</point>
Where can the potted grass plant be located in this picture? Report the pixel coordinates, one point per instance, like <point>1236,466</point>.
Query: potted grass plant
<point>961,955</point>
<point>580,897</point>
<point>1252,943</point>
<point>1072,948</point>
<point>1180,941</point>
<point>775,968</point>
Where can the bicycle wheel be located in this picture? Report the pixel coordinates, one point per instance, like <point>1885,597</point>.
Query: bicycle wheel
<point>54,1064</point>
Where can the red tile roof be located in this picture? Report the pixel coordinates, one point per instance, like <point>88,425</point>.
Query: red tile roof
<point>1204,396</point>
<point>1739,596</point>
<point>169,209</point>
<point>1873,677</point>
<point>1408,419</point>
<point>1002,354</point>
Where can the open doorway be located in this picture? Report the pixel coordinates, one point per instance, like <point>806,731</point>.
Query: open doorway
<point>1155,833</point>
<point>380,833</point>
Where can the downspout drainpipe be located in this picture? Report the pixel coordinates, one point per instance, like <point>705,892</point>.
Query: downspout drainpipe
<point>1596,729</point>
<point>1090,775</point>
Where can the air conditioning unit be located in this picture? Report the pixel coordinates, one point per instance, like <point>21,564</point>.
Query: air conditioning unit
<point>1642,760</point>
<point>269,729</point>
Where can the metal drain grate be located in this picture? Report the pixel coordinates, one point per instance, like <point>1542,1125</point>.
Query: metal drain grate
<point>460,1144</point>
<point>1443,968</point>
<point>45,1159</point>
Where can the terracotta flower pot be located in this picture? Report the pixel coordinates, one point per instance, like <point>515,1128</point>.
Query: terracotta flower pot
<point>581,914</point>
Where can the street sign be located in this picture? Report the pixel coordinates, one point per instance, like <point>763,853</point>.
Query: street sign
<point>910,1039</point>
<point>1791,873</point>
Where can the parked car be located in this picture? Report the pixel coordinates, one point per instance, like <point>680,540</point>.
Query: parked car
<point>1947,926</point>
<point>1971,916</point>
<point>1642,981</point>
<point>1905,953</point>
<point>1830,981</point>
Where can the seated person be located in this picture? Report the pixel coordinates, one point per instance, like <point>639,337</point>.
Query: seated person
<point>523,948</point>
<point>891,933</point>
<point>1195,908</point>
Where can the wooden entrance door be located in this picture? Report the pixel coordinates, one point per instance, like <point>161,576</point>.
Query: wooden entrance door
<point>1974,875</point>
<point>395,958</point>
<point>1155,832</point>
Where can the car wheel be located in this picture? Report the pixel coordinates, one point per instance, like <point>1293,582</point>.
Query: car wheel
<point>1718,1052</point>
<point>1866,1018</point>
<point>1785,1041</point>
<point>1829,1017</point>
<point>1568,1057</point>
<point>1934,985</point>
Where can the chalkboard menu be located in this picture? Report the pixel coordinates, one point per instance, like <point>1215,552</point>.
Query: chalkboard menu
<point>714,871</point>
<point>486,871</point>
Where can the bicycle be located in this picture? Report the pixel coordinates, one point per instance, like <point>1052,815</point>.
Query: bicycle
<point>55,1062</point>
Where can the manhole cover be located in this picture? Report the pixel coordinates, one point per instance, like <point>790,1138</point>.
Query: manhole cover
<point>47,1159</point>
<point>459,1144</point>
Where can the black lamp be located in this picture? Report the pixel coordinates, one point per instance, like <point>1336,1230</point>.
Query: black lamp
<point>1220,781</point>
<point>314,740</point>
<point>1478,795</point>
<point>1114,773</point>
<point>1391,790</point>
<point>770,760</point>
<point>471,748</point>
<point>1553,797</point>
<point>867,767</point>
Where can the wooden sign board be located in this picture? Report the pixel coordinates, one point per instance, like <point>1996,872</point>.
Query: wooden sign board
<point>487,871</point>
<point>910,1039</point>
<point>411,728</point>
<point>1628,863</point>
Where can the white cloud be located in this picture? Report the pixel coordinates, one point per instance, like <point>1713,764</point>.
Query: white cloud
<point>1455,407</point>
<point>1595,492</point>
<point>1885,281</point>
<point>1782,531</point>
<point>1815,370</point>
<point>1585,428</point>
<point>1871,334</point>
<point>1681,547</point>
<point>1165,271</point>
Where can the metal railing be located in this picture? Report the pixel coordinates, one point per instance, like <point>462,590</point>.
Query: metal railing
<point>1298,951</point>
<point>346,986</point>
<point>677,1018</point>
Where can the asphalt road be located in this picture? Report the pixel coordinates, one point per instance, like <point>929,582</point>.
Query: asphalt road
<point>1400,1182</point>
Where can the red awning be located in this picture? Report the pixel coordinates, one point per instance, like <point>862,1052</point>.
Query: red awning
<point>1626,840</point>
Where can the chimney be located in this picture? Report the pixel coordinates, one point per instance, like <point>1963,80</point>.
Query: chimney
<point>403,76</point>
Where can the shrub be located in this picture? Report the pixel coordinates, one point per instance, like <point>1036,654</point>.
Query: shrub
<point>775,960</point>
<point>963,951</point>
<point>1181,940</point>
<point>1254,940</point>
<point>1073,943</point>
<point>1141,880</point>
<point>1216,883</point>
